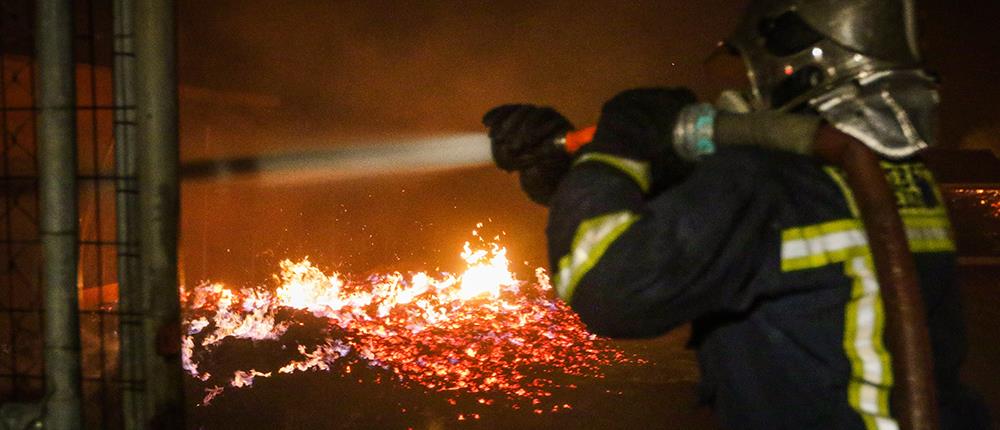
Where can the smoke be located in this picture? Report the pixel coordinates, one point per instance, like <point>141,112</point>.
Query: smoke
<point>275,77</point>
<point>433,66</point>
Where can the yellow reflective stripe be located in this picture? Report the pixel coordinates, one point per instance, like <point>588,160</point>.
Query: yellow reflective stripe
<point>820,260</point>
<point>934,212</point>
<point>927,228</point>
<point>871,364</point>
<point>816,230</point>
<point>820,245</point>
<point>637,170</point>
<point>930,239</point>
<point>592,239</point>
<point>838,178</point>
<point>928,231</point>
<point>844,241</point>
<point>935,220</point>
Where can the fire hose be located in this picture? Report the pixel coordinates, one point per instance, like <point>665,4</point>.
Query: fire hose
<point>906,326</point>
<point>913,394</point>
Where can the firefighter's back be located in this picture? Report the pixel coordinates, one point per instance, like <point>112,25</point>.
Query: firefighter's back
<point>810,351</point>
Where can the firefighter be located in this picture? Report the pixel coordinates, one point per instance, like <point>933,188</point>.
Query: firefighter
<point>762,251</point>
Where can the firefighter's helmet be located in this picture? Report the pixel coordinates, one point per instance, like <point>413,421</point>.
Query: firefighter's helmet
<point>856,62</point>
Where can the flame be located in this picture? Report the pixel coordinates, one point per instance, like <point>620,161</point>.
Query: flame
<point>483,331</point>
<point>488,272</point>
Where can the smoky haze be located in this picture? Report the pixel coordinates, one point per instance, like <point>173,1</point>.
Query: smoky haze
<point>266,76</point>
<point>261,76</point>
<point>428,66</point>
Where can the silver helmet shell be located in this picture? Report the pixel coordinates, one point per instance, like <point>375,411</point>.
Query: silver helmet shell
<point>842,58</point>
<point>850,38</point>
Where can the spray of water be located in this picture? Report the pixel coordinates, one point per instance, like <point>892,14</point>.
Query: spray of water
<point>357,160</point>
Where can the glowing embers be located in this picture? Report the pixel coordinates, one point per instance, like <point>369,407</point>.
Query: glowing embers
<point>481,333</point>
<point>989,198</point>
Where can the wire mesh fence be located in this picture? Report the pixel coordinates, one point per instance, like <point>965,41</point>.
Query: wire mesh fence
<point>20,292</point>
<point>21,307</point>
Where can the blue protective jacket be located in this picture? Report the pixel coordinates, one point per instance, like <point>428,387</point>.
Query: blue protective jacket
<point>765,253</point>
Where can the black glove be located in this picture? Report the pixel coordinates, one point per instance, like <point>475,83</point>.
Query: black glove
<point>521,139</point>
<point>639,124</point>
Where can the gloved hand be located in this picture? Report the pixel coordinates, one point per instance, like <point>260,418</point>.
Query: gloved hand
<point>521,138</point>
<point>639,124</point>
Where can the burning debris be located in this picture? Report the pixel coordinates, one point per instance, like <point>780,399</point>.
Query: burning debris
<point>978,208</point>
<point>987,198</point>
<point>481,333</point>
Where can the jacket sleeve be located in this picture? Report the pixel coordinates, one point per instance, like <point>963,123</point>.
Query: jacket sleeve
<point>633,265</point>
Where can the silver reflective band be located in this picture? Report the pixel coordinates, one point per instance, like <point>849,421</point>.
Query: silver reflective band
<point>694,134</point>
<point>892,112</point>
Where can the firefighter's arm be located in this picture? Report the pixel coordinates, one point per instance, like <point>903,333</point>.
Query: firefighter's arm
<point>636,265</point>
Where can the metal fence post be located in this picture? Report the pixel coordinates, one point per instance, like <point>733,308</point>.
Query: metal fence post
<point>126,213</point>
<point>58,206</point>
<point>159,208</point>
